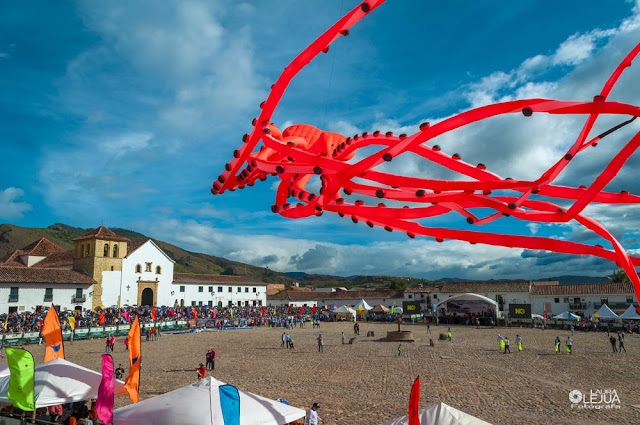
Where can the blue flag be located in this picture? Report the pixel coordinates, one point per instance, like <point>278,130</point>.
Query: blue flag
<point>230,404</point>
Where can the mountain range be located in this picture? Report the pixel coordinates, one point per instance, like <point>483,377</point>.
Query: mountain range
<point>14,237</point>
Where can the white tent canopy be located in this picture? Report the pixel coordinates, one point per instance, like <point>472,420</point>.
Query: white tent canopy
<point>606,313</point>
<point>4,369</point>
<point>470,297</point>
<point>537,316</point>
<point>362,306</point>
<point>60,381</point>
<point>344,309</point>
<point>567,316</point>
<point>630,314</point>
<point>199,404</point>
<point>440,414</point>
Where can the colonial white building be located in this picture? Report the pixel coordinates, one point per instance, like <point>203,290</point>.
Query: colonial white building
<point>146,277</point>
<point>503,292</point>
<point>583,300</point>
<point>297,297</point>
<point>217,290</point>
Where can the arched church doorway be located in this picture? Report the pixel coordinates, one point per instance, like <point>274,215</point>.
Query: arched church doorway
<point>147,296</point>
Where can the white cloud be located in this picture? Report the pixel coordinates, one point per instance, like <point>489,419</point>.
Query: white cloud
<point>126,143</point>
<point>10,209</point>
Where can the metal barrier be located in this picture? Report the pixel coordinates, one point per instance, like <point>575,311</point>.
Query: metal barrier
<point>14,419</point>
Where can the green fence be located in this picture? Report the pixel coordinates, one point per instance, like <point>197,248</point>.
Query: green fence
<point>89,333</point>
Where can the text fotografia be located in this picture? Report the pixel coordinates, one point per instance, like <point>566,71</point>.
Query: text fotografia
<point>594,399</point>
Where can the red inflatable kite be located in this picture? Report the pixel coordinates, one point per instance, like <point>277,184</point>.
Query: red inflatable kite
<point>301,151</point>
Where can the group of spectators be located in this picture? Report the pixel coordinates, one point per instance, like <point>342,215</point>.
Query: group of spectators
<point>78,413</point>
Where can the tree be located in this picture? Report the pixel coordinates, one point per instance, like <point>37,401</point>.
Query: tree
<point>398,285</point>
<point>619,276</point>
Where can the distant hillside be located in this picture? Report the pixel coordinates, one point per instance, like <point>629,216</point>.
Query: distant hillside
<point>571,280</point>
<point>15,237</point>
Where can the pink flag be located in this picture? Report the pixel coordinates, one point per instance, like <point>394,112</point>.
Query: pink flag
<point>126,316</point>
<point>215,312</point>
<point>104,403</point>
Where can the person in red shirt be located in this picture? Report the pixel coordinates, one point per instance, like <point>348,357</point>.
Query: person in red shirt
<point>201,371</point>
<point>213,359</point>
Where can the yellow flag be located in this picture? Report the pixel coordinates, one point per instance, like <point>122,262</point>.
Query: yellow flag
<point>5,322</point>
<point>72,322</point>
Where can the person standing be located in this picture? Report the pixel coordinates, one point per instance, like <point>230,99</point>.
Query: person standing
<point>557,342</point>
<point>399,350</point>
<point>612,340</point>
<point>288,340</point>
<point>428,327</point>
<point>519,342</point>
<point>312,417</point>
<point>320,343</point>
<point>119,371</point>
<point>500,342</point>
<point>284,336</point>
<point>208,358</point>
<point>342,338</point>
<point>449,334</point>
<point>506,345</point>
<point>569,344</point>
<point>621,342</point>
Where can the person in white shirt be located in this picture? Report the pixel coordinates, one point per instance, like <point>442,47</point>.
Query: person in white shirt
<point>312,417</point>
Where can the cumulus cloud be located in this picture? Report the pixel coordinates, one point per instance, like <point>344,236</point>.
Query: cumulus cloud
<point>10,206</point>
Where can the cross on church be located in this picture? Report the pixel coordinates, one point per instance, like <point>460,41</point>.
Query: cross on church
<point>128,287</point>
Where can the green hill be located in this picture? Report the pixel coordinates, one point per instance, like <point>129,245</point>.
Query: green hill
<point>14,237</point>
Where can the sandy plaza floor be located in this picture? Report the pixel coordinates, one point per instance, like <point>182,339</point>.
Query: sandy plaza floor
<point>368,383</point>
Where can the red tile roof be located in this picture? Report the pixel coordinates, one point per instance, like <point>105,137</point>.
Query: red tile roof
<point>424,289</point>
<point>215,278</point>
<point>132,246</point>
<point>289,295</point>
<point>583,289</point>
<point>41,248</point>
<point>102,233</point>
<point>59,259</point>
<point>487,286</point>
<point>42,275</point>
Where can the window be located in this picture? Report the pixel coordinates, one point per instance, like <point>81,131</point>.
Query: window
<point>111,268</point>
<point>246,289</point>
<point>629,300</point>
<point>259,302</point>
<point>254,289</point>
<point>409,296</point>
<point>210,288</point>
<point>246,303</point>
<point>239,303</point>
<point>219,288</point>
<point>566,300</point>
<point>182,288</point>
<point>230,304</point>
<point>230,289</point>
<point>147,267</point>
<point>556,300</point>
<point>193,303</point>
<point>604,300</point>
<point>200,289</point>
<point>115,250</point>
<point>254,303</point>
<point>138,268</point>
<point>106,250</point>
<point>13,295</point>
<point>199,302</point>
<point>210,303</point>
<point>239,289</point>
<point>158,270</point>
<point>78,292</point>
<point>48,294</point>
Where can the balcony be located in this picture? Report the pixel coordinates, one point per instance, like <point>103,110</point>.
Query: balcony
<point>13,298</point>
<point>577,306</point>
<point>78,299</point>
<point>48,298</point>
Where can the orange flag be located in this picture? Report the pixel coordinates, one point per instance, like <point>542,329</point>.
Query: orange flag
<point>52,334</point>
<point>132,384</point>
<point>101,321</point>
<point>154,314</point>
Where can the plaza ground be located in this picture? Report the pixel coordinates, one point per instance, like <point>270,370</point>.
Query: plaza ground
<point>367,383</point>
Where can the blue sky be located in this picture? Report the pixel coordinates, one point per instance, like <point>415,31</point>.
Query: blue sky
<point>123,113</point>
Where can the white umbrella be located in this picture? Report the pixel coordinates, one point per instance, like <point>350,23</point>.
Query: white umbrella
<point>60,381</point>
<point>199,404</point>
<point>630,314</point>
<point>606,313</point>
<point>567,316</point>
<point>440,414</point>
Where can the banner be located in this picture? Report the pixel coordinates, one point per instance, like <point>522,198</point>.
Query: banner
<point>106,391</point>
<point>52,334</point>
<point>21,379</point>
<point>519,311</point>
<point>132,384</point>
<point>411,307</point>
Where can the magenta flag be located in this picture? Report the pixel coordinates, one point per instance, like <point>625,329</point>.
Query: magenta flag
<point>104,403</point>
<point>126,316</point>
<point>215,312</point>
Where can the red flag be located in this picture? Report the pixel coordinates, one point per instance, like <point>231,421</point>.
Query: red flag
<point>414,400</point>
<point>262,311</point>
<point>154,314</point>
<point>52,333</point>
<point>289,311</point>
<point>101,321</point>
<point>313,309</point>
